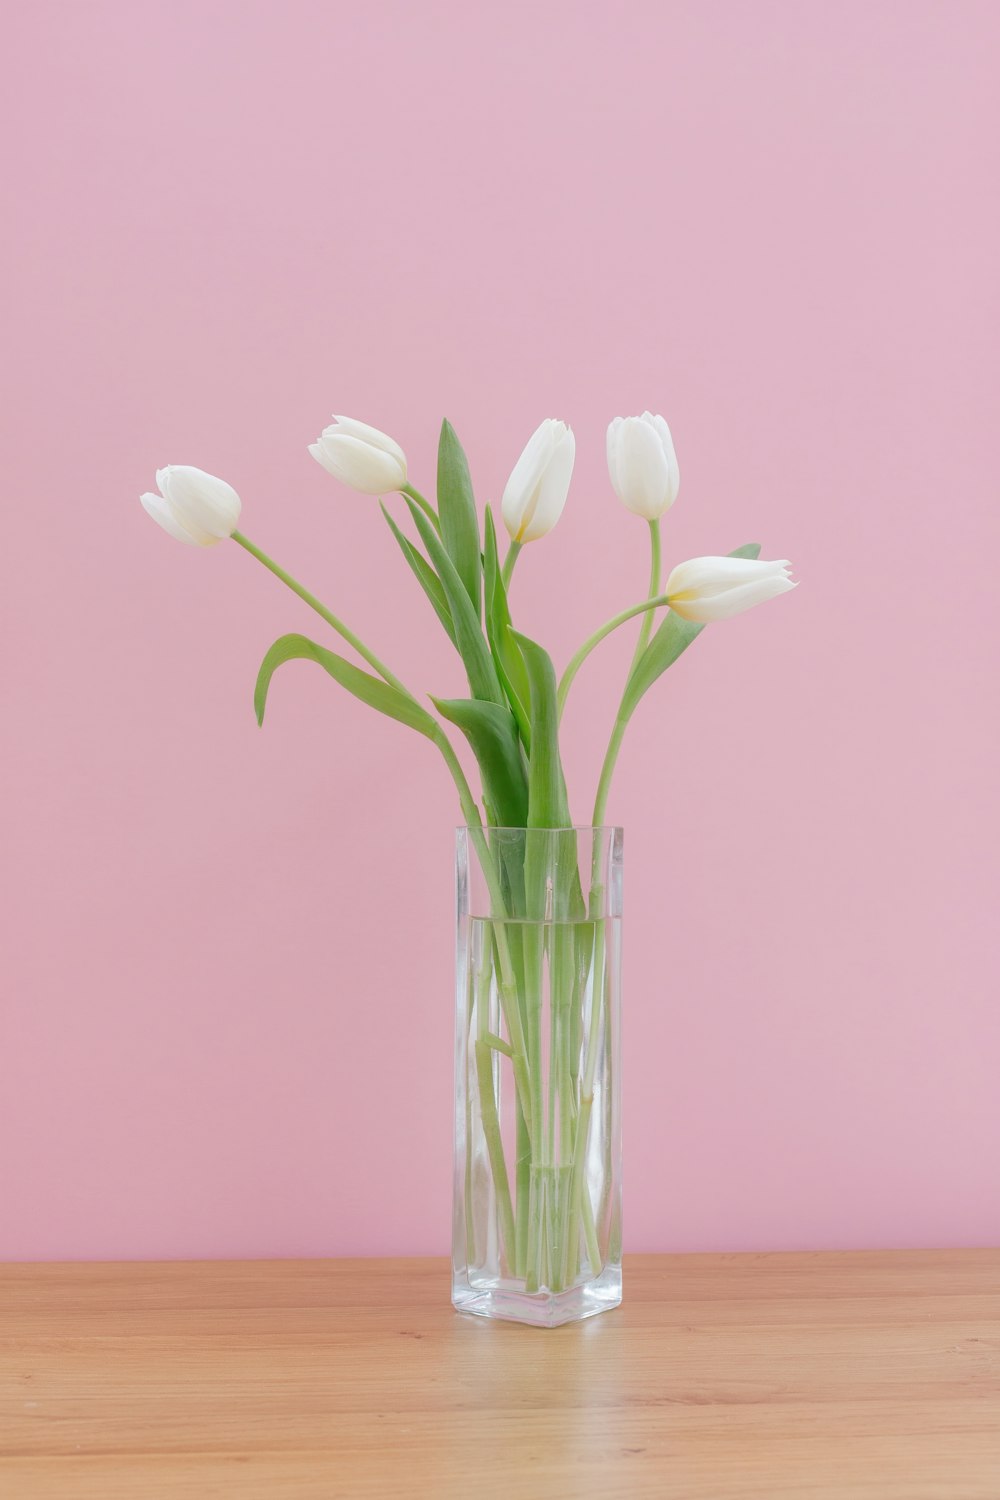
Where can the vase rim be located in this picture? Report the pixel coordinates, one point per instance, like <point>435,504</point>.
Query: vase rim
<point>562,828</point>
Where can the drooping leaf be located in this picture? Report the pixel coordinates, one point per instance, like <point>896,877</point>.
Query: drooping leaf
<point>548,805</point>
<point>371,690</point>
<point>491,731</point>
<point>507,656</point>
<point>457,509</point>
<point>672,637</point>
<point>424,574</point>
<point>475,653</point>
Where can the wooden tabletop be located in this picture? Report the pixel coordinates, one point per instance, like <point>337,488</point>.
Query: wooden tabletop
<point>872,1376</point>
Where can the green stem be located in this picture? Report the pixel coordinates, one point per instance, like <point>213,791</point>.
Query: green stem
<point>522,1170</point>
<point>467,802</point>
<point>506,980</point>
<point>590,1235</point>
<point>621,721</point>
<point>494,1147</point>
<point>425,506</point>
<point>513,552</point>
<point>598,636</point>
<point>576,1189</point>
<point>566,942</point>
<point>608,768</point>
<point>470,1218</point>
<point>654,589</point>
<point>553,1101</point>
<point>470,812</point>
<point>331,619</point>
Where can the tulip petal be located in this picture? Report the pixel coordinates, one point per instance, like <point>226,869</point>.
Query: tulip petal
<point>205,505</point>
<point>642,464</point>
<point>643,469</point>
<point>671,455</point>
<point>520,491</point>
<point>552,490</point>
<point>350,427</point>
<point>157,507</point>
<point>712,575</point>
<point>733,602</point>
<point>614,450</point>
<point>715,588</point>
<point>318,452</point>
<point>353,460</point>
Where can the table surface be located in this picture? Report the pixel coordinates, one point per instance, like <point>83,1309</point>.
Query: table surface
<point>874,1376</point>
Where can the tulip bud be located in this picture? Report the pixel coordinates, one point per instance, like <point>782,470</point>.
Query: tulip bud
<point>536,491</point>
<point>643,465</point>
<point>193,506</point>
<point>713,588</point>
<point>360,456</point>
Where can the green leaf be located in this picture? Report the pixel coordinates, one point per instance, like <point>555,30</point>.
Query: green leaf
<point>424,574</point>
<point>551,865</point>
<point>548,805</point>
<point>371,690</point>
<point>672,637</point>
<point>475,653</point>
<point>457,509</point>
<point>507,657</point>
<point>491,731</point>
<point>498,1044</point>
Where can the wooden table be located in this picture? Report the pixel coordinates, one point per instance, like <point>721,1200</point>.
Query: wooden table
<point>871,1376</point>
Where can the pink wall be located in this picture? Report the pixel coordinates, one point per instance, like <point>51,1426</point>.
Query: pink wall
<point>227,1002</point>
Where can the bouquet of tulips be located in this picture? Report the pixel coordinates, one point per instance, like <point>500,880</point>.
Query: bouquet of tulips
<point>537,1187</point>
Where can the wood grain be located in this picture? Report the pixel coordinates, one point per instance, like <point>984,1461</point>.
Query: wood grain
<point>873,1376</point>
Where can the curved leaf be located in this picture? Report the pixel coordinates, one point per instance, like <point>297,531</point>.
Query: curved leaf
<point>371,690</point>
<point>483,681</point>
<point>492,733</point>
<point>507,657</point>
<point>673,636</point>
<point>424,574</point>
<point>551,868</point>
<point>548,805</point>
<point>457,509</point>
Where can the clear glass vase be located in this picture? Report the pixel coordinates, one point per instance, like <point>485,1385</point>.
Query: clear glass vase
<point>537,1204</point>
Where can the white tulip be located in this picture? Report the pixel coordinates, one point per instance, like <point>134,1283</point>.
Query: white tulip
<point>536,491</point>
<point>643,465</point>
<point>360,456</point>
<point>193,506</point>
<point>713,588</point>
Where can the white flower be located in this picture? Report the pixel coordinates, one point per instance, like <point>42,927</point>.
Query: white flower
<point>360,456</point>
<point>536,491</point>
<point>643,465</point>
<point>193,506</point>
<point>713,588</point>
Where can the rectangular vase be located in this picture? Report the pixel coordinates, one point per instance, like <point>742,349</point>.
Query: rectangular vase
<point>537,1199</point>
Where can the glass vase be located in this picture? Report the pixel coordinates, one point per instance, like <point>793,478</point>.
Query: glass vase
<point>537,1200</point>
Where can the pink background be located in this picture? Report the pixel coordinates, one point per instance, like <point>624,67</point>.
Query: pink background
<point>227,1000</point>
